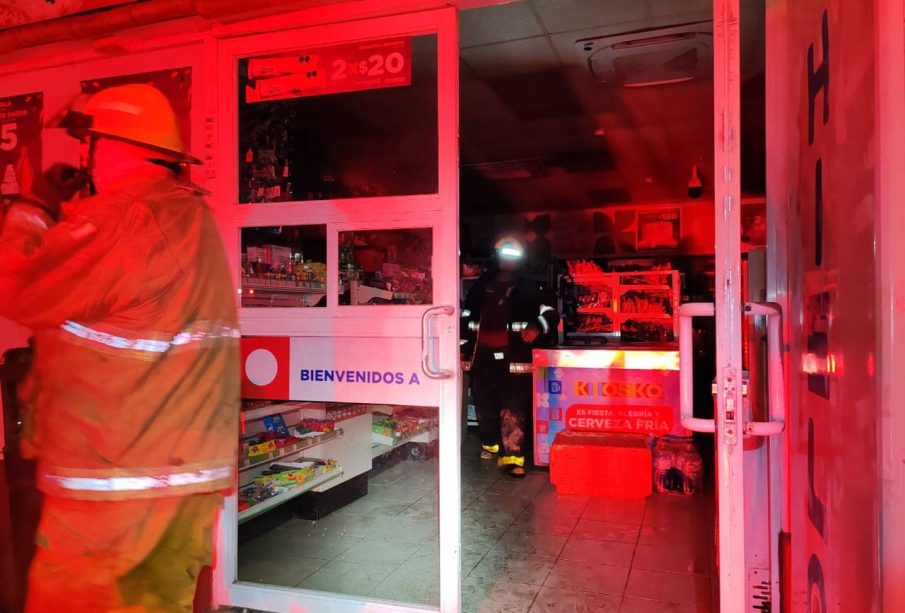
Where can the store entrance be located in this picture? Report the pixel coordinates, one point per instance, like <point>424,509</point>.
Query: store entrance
<point>590,138</point>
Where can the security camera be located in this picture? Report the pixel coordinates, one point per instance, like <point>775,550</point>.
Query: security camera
<point>695,187</point>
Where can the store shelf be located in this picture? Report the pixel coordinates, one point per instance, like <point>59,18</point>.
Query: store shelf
<point>595,310</point>
<point>270,503</point>
<point>277,409</point>
<point>630,315</point>
<point>644,288</point>
<point>284,287</point>
<point>282,452</point>
<point>425,436</point>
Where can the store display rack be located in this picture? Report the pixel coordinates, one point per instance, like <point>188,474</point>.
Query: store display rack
<point>280,453</point>
<point>383,445</point>
<point>266,505</point>
<point>605,315</point>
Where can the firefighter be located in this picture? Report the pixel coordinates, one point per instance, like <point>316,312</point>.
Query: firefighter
<point>504,318</point>
<point>133,395</point>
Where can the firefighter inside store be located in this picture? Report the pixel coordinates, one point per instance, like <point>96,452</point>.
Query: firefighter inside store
<point>503,320</point>
<point>131,401</point>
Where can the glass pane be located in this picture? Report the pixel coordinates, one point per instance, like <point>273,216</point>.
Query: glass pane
<point>342,121</point>
<point>386,266</point>
<point>284,266</point>
<point>371,529</point>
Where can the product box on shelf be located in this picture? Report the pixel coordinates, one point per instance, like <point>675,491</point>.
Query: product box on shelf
<point>317,425</point>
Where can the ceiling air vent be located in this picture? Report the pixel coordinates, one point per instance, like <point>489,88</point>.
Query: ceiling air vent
<point>651,57</point>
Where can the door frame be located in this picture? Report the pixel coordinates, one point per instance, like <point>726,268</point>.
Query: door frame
<point>439,211</point>
<point>728,304</point>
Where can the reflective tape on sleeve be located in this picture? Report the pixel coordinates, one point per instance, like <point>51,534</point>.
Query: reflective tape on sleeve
<point>140,484</point>
<point>146,345</point>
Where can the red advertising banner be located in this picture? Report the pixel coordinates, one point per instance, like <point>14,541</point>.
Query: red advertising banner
<point>349,67</point>
<point>656,420</point>
<point>21,123</point>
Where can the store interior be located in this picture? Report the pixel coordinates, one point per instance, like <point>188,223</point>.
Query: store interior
<point>587,129</point>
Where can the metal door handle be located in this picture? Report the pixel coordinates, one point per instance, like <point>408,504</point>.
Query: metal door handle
<point>775,379</point>
<point>687,312</point>
<point>429,361</point>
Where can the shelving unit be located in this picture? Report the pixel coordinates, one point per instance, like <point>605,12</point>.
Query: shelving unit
<point>426,436</point>
<point>283,452</point>
<point>262,507</point>
<point>609,291</point>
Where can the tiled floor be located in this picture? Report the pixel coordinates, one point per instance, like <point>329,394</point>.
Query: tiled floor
<point>526,549</point>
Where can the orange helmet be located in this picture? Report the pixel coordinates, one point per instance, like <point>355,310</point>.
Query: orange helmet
<point>135,113</point>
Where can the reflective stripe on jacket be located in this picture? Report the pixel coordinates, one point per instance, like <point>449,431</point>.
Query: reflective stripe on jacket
<point>134,390</point>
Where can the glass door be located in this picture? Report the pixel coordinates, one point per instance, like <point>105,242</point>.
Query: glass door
<point>340,211</point>
<point>749,424</point>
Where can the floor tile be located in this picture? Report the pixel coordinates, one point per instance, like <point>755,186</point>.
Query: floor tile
<point>269,545</point>
<point>399,494</point>
<point>371,506</point>
<point>585,577</point>
<point>674,558</point>
<point>669,587</point>
<point>512,505</point>
<point>323,547</point>
<point>562,506</point>
<point>378,552</point>
<point>476,485</point>
<point>475,536</point>
<point>332,525</point>
<point>399,530</point>
<point>342,577</point>
<point>599,552</point>
<point>514,568</point>
<point>671,535</point>
<point>534,520</point>
<point>556,600</point>
<point>530,544</point>
<point>606,531</point>
<point>615,510</point>
<point>289,571</point>
<point>527,487</point>
<point>422,510</point>
<point>413,582</point>
<point>637,605</point>
<point>481,595</point>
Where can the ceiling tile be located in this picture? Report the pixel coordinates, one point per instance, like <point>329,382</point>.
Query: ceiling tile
<point>499,23</point>
<point>668,8</point>
<point>565,15</point>
<point>515,57</point>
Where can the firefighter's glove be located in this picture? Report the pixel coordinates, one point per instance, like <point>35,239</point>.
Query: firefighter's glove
<point>530,333</point>
<point>58,185</point>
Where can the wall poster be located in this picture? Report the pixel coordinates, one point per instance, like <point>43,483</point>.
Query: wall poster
<point>21,124</point>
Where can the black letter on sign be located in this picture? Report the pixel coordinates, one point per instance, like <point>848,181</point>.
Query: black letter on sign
<point>819,79</point>
<point>816,510</point>
<point>818,214</point>
<point>815,581</point>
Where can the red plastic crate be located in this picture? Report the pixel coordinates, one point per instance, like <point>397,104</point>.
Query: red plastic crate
<point>595,464</point>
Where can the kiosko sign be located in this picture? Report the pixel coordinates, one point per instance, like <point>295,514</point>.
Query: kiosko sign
<point>604,399</point>
<point>364,370</point>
